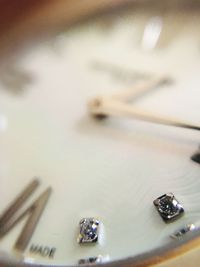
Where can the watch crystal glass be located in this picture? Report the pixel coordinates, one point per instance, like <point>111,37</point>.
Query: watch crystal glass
<point>59,164</point>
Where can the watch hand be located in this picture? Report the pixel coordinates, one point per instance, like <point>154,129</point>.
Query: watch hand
<point>140,89</point>
<point>102,107</point>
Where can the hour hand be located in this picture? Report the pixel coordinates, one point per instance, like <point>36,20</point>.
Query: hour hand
<point>141,89</point>
<point>117,105</point>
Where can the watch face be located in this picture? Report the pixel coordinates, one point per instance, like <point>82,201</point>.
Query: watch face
<point>99,139</point>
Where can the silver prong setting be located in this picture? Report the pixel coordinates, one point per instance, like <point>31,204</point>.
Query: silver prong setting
<point>183,231</point>
<point>88,231</point>
<point>168,207</point>
<point>90,261</point>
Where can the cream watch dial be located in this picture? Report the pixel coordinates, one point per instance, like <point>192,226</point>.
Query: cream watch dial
<point>108,171</point>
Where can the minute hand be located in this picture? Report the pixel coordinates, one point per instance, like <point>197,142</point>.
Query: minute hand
<point>102,107</point>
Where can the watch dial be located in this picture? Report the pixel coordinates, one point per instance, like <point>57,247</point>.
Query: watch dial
<point>102,190</point>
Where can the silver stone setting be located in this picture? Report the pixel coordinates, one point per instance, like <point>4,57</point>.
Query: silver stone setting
<point>183,231</point>
<point>168,207</point>
<point>90,261</point>
<point>88,232</point>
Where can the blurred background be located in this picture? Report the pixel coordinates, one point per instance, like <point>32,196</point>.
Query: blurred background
<point>23,21</point>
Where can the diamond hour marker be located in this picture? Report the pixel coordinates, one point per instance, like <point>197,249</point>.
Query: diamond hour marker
<point>88,232</point>
<point>168,207</point>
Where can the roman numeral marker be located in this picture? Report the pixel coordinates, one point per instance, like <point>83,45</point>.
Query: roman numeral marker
<point>11,216</point>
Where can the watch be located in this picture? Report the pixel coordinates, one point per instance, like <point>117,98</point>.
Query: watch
<point>99,135</point>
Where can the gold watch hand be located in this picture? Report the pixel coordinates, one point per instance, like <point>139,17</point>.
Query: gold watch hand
<point>103,107</point>
<point>140,89</point>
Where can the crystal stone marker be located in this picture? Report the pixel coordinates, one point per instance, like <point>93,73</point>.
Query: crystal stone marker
<point>183,231</point>
<point>168,207</point>
<point>89,228</point>
<point>91,260</point>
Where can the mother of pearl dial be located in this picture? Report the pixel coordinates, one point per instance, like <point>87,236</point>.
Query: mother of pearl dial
<point>111,170</point>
